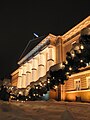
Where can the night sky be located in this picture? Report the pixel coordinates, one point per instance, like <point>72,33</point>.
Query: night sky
<point>18,22</point>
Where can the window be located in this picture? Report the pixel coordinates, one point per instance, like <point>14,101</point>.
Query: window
<point>88,82</point>
<point>77,84</point>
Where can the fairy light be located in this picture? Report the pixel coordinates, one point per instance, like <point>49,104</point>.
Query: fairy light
<point>66,62</point>
<point>34,94</point>
<point>81,61</point>
<point>40,84</point>
<point>40,87</point>
<point>87,64</point>
<point>36,87</point>
<point>67,73</point>
<point>73,54</point>
<point>59,80</point>
<point>55,87</point>
<point>82,47</point>
<point>79,51</point>
<point>61,65</point>
<point>29,96</point>
<point>43,94</point>
<point>70,68</point>
<point>20,92</point>
<point>44,84</point>
<point>48,81</point>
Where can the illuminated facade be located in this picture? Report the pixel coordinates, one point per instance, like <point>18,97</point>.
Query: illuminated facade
<point>51,51</point>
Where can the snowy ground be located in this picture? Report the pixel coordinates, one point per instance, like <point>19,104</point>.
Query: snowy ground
<point>44,110</point>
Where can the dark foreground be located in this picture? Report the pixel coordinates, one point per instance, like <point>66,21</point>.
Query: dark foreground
<point>44,110</point>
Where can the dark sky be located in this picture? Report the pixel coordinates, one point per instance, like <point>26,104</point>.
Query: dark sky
<point>18,22</point>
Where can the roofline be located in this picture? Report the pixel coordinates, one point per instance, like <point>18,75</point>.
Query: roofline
<point>45,41</point>
<point>76,29</point>
<point>15,72</point>
<point>87,70</point>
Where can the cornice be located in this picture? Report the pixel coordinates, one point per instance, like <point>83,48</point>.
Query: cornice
<point>76,30</point>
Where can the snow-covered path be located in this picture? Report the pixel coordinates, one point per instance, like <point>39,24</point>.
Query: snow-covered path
<point>44,110</point>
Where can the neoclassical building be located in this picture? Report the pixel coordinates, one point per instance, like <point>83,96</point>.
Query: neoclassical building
<point>49,51</point>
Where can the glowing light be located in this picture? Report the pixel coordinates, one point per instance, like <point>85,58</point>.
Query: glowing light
<point>81,61</point>
<point>40,87</point>
<point>35,35</point>
<point>34,95</point>
<point>43,94</point>
<point>87,64</point>
<point>48,81</point>
<point>20,92</point>
<point>67,73</point>
<point>76,48</point>
<point>55,87</point>
<point>70,68</point>
<point>59,80</point>
<point>36,87</point>
<point>44,84</point>
<point>79,51</point>
<point>82,47</point>
<point>66,62</point>
<point>40,84</point>
<point>73,54</point>
<point>22,101</point>
<point>11,88</point>
<point>11,97</point>
<point>61,65</point>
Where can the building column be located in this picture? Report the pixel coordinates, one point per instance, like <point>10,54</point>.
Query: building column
<point>24,76</point>
<point>34,69</point>
<point>28,73</point>
<point>63,92</point>
<point>19,84</point>
<point>51,57</point>
<point>41,65</point>
<point>59,50</point>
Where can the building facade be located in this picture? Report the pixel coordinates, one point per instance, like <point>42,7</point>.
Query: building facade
<point>49,52</point>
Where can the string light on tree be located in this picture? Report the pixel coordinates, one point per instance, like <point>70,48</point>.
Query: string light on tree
<point>70,68</point>
<point>82,47</point>
<point>81,60</point>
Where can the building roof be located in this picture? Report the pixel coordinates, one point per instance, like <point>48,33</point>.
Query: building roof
<point>76,30</point>
<point>31,44</point>
<point>35,46</point>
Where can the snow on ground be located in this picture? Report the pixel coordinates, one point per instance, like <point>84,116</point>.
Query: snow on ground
<point>44,110</point>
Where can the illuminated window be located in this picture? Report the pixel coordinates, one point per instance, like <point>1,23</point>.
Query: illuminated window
<point>77,84</point>
<point>88,82</point>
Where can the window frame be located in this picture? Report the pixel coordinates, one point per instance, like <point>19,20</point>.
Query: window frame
<point>75,86</point>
